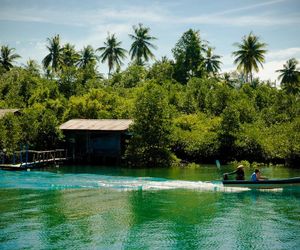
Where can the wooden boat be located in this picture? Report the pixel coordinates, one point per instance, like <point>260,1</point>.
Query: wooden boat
<point>264,184</point>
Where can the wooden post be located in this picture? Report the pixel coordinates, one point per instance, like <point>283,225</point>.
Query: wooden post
<point>3,156</point>
<point>26,156</point>
<point>21,158</point>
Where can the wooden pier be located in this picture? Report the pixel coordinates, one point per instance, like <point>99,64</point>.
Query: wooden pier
<point>30,159</point>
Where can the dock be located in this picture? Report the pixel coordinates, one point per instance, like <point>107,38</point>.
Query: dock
<point>32,159</point>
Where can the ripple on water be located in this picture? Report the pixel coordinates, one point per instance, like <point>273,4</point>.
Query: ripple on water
<point>56,211</point>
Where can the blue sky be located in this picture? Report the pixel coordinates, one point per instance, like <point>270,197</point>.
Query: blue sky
<point>26,24</point>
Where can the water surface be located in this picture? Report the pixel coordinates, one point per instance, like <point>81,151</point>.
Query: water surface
<point>113,208</point>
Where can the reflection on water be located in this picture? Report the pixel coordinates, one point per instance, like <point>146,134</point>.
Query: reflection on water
<point>46,210</point>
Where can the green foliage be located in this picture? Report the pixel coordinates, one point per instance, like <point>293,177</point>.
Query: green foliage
<point>229,128</point>
<point>54,58</point>
<point>161,72</point>
<point>250,55</point>
<point>140,49</point>
<point>218,98</point>
<point>175,93</point>
<point>277,142</point>
<point>87,57</point>
<point>17,86</point>
<point>40,127</point>
<point>112,53</point>
<point>10,133</point>
<point>133,76</point>
<point>44,91</point>
<point>265,96</point>
<point>188,56</point>
<point>151,130</point>
<point>207,95</point>
<point>245,163</point>
<point>290,76</point>
<point>211,62</point>
<point>7,57</point>
<point>196,94</point>
<point>69,56</point>
<point>33,68</point>
<point>181,110</point>
<point>285,108</point>
<point>196,137</point>
<point>97,103</point>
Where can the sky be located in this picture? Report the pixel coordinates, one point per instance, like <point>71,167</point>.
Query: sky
<point>26,24</point>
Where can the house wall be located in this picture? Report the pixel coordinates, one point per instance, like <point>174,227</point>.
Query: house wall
<point>95,146</point>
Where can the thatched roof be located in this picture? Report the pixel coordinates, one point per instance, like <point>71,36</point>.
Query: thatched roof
<point>97,124</point>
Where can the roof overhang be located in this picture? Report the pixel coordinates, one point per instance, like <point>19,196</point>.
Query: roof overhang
<point>96,124</point>
<point>3,112</point>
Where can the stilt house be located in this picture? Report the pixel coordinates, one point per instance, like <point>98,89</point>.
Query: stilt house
<point>99,141</point>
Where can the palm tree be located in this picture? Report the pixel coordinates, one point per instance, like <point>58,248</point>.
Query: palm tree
<point>69,55</point>
<point>250,54</point>
<point>55,54</point>
<point>290,75</point>
<point>212,62</point>
<point>140,48</point>
<point>32,67</point>
<point>112,53</point>
<point>7,57</point>
<point>87,56</point>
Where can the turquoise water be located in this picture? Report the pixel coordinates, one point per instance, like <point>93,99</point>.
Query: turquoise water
<point>108,208</point>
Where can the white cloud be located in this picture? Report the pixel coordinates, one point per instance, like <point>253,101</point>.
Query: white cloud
<point>81,17</point>
<point>156,13</point>
<point>257,20</point>
<point>99,33</point>
<point>269,70</point>
<point>249,7</point>
<point>132,13</point>
<point>275,60</point>
<point>36,52</point>
<point>284,54</point>
<point>119,20</point>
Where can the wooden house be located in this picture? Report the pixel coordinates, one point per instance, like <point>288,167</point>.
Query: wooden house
<point>100,141</point>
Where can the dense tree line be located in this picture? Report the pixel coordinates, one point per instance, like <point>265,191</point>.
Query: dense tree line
<point>183,108</point>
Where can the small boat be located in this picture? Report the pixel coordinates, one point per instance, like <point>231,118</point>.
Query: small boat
<point>264,184</point>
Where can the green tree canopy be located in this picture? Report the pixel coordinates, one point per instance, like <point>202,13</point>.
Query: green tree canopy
<point>212,62</point>
<point>7,57</point>
<point>195,136</point>
<point>140,48</point>
<point>250,54</point>
<point>87,57</point>
<point>33,67</point>
<point>151,129</point>
<point>188,56</point>
<point>112,53</point>
<point>69,55</point>
<point>290,76</point>
<point>55,54</point>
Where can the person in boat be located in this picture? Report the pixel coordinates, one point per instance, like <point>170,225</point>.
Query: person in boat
<point>256,176</point>
<point>239,173</point>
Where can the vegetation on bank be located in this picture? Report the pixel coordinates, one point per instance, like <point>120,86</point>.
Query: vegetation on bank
<point>183,108</point>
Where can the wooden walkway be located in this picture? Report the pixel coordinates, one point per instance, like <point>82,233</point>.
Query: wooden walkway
<point>29,159</point>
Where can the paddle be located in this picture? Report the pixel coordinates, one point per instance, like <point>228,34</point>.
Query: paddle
<point>224,176</point>
<point>218,164</point>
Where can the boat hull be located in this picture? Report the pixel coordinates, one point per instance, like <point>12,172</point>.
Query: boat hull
<point>264,184</point>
